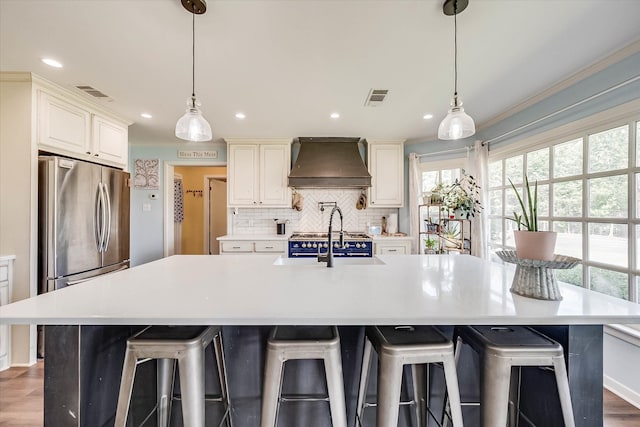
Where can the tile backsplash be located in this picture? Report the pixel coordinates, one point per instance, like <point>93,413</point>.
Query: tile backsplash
<point>310,218</point>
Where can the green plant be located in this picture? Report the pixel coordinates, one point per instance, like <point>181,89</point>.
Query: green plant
<point>529,217</point>
<point>452,232</point>
<point>430,243</point>
<point>463,196</point>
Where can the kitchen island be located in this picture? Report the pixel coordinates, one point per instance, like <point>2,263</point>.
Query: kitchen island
<point>247,294</point>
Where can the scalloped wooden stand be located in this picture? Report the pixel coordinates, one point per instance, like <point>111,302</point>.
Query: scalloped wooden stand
<point>535,278</point>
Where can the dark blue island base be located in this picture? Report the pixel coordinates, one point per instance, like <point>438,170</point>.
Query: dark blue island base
<point>83,366</point>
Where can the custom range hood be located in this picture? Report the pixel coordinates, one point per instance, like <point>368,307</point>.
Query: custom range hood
<point>329,163</point>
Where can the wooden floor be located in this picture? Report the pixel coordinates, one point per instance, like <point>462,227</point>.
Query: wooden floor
<point>21,396</point>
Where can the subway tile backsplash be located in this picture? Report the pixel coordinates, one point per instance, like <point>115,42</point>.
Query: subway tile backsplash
<point>310,218</point>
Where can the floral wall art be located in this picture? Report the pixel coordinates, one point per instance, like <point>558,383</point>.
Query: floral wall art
<point>146,174</point>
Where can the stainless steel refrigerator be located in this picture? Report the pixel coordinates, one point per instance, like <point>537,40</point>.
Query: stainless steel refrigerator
<point>83,221</point>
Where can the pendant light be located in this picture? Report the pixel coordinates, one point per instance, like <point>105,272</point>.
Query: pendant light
<point>457,124</point>
<point>193,126</point>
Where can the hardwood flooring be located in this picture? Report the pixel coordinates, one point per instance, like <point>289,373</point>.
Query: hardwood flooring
<point>21,400</point>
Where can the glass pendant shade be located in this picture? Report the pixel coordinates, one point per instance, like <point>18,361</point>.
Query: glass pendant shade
<point>193,126</point>
<point>457,124</point>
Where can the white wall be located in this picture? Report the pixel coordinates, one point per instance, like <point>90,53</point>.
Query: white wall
<point>621,359</point>
<point>18,203</point>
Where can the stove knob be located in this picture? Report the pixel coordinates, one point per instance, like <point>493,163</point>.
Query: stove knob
<point>315,245</point>
<point>304,245</point>
<point>335,245</point>
<point>346,245</point>
<point>325,245</point>
<point>358,245</point>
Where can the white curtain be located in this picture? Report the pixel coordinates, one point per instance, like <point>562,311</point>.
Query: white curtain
<point>479,164</point>
<point>415,192</point>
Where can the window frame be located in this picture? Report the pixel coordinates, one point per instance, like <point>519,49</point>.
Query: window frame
<point>581,129</point>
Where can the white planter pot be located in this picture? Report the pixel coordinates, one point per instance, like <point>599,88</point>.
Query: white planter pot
<point>539,245</point>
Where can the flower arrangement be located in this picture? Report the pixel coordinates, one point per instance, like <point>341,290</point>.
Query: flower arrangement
<point>462,197</point>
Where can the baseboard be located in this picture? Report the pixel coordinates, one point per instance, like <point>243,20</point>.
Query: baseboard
<point>622,391</point>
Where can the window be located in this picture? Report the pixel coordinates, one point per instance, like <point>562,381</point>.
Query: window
<point>444,172</point>
<point>588,192</point>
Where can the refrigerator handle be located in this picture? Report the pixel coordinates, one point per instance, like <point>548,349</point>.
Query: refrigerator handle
<point>98,218</point>
<point>107,234</point>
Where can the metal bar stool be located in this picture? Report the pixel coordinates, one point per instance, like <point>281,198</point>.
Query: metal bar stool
<point>502,347</point>
<point>303,342</point>
<point>406,345</point>
<point>168,344</point>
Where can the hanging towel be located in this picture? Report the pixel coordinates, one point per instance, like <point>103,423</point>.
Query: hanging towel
<point>178,201</point>
<point>362,201</point>
<point>296,202</point>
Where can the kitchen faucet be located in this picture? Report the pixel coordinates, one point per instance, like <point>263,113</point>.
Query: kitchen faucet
<point>328,258</point>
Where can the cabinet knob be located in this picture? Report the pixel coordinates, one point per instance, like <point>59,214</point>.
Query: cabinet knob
<point>96,154</point>
<point>88,152</point>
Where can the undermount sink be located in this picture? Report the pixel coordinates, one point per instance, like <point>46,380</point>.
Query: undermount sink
<point>337,262</point>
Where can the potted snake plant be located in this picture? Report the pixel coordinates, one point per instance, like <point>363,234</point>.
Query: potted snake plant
<point>531,242</point>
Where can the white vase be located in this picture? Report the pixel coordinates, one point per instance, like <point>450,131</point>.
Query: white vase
<point>539,245</point>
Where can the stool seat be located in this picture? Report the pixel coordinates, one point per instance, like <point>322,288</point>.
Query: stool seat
<point>168,344</point>
<point>406,345</point>
<point>303,342</point>
<point>503,347</point>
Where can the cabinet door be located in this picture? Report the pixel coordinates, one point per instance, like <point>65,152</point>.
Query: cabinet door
<point>386,166</point>
<point>275,161</point>
<point>109,141</point>
<point>242,172</point>
<point>227,246</point>
<point>62,125</point>
<point>271,246</point>
<point>393,248</point>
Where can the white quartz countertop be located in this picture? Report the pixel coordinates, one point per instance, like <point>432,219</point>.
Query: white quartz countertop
<point>252,237</point>
<point>383,238</point>
<point>251,290</point>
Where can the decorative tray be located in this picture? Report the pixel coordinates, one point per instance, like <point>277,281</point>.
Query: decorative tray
<point>559,262</point>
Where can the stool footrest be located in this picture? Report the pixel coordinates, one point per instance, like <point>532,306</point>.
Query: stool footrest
<point>207,398</point>
<point>304,398</point>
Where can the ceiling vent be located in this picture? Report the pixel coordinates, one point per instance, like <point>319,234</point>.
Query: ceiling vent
<point>376,97</point>
<point>95,93</point>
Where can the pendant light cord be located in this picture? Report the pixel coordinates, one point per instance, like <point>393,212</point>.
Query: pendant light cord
<point>455,48</point>
<point>193,54</point>
<point>455,53</point>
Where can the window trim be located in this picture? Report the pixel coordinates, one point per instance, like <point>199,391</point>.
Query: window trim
<point>627,114</point>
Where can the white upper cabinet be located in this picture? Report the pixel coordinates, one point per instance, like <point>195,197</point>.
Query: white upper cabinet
<point>62,124</point>
<point>110,140</point>
<point>242,174</point>
<point>386,166</point>
<point>257,172</point>
<point>71,128</point>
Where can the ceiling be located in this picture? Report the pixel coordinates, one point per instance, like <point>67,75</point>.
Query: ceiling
<point>288,64</point>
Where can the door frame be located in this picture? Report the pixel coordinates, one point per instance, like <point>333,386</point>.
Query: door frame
<point>207,206</point>
<point>168,205</point>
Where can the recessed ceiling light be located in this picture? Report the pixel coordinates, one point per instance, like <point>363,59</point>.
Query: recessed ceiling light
<point>427,116</point>
<point>335,115</point>
<point>146,115</point>
<point>240,116</point>
<point>52,62</point>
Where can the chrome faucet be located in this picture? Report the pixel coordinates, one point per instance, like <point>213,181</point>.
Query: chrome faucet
<point>328,257</point>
